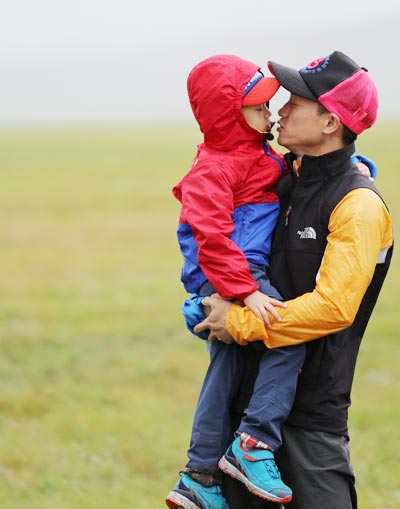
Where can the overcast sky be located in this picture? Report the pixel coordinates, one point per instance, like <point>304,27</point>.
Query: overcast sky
<point>112,61</point>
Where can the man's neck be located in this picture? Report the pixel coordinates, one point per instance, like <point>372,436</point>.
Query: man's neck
<point>328,144</point>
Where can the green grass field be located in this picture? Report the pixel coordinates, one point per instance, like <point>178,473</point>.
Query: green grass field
<point>98,376</point>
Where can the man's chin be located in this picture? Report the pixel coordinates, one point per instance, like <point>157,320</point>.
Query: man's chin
<point>281,139</point>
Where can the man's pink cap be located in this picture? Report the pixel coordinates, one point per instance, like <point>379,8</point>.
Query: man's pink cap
<point>336,82</point>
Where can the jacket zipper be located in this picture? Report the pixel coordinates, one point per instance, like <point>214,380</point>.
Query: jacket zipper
<point>288,210</point>
<point>275,158</point>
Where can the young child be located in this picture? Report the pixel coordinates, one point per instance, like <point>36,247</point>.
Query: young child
<point>229,210</point>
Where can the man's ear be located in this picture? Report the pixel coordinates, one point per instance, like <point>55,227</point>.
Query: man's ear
<point>332,123</point>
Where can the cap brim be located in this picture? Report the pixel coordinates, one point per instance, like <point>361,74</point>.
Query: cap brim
<point>263,91</point>
<point>291,80</point>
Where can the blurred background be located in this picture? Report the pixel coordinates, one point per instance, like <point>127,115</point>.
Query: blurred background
<point>98,376</point>
<point>111,62</point>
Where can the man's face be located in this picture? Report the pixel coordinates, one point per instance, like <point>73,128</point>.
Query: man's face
<point>301,125</point>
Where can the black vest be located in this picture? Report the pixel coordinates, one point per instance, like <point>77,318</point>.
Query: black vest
<point>323,392</point>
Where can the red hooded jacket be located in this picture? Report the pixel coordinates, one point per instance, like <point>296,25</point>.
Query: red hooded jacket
<point>229,201</point>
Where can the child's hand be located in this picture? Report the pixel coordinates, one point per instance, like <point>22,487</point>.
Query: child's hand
<point>364,170</point>
<point>260,303</point>
<point>366,166</point>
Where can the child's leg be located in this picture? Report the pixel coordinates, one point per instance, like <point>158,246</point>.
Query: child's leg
<point>273,394</point>
<point>212,426</point>
<point>212,431</point>
<point>250,459</point>
<point>200,483</point>
<point>275,385</point>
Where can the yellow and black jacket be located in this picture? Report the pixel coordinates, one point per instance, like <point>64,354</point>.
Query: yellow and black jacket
<point>331,252</point>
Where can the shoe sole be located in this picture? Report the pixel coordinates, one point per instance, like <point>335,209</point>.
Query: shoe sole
<point>233,472</point>
<point>175,500</point>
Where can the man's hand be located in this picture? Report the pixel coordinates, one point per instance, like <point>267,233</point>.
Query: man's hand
<point>216,310</point>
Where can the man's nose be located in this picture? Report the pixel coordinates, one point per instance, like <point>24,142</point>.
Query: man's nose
<point>282,110</point>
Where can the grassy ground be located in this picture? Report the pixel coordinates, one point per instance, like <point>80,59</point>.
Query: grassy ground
<point>98,377</point>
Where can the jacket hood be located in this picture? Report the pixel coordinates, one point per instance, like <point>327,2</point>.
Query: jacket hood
<point>215,88</point>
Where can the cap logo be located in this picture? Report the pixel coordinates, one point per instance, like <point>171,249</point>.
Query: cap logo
<point>255,79</point>
<point>316,65</point>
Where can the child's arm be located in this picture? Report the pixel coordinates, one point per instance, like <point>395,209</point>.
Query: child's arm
<point>366,166</point>
<point>207,206</point>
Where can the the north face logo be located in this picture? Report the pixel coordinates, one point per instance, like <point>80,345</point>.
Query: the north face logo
<point>307,233</point>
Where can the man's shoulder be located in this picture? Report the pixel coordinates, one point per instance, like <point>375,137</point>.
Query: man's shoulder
<point>366,200</point>
<point>365,208</point>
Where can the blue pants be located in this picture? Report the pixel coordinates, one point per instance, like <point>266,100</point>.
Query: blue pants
<point>269,405</point>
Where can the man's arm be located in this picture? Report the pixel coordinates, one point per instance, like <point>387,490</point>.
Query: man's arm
<point>360,228</point>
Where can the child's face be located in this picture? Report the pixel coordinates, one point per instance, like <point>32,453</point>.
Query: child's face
<point>258,117</point>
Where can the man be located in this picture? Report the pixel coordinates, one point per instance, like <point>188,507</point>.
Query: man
<point>331,252</point>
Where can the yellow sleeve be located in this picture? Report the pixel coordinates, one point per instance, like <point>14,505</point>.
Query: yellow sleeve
<point>359,228</point>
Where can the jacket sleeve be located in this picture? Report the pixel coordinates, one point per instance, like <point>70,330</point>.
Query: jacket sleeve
<point>360,228</point>
<point>207,206</point>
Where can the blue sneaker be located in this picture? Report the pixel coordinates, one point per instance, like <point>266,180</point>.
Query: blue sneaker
<point>193,495</point>
<point>257,470</point>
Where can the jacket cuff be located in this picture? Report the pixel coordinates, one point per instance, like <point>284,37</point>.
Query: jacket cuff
<point>243,325</point>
